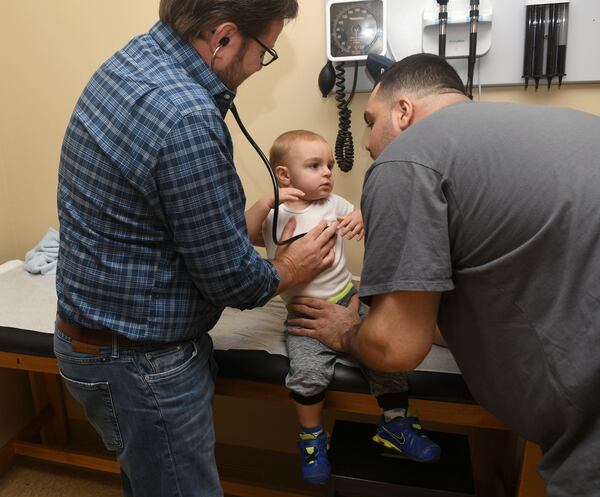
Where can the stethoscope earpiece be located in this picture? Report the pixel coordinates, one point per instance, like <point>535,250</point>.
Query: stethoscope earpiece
<point>222,43</point>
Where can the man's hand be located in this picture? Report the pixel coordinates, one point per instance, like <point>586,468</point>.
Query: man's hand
<point>301,261</point>
<point>332,324</point>
<point>395,336</point>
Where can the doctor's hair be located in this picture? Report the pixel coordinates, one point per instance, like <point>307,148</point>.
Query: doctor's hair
<point>284,142</point>
<point>192,19</point>
<point>420,74</point>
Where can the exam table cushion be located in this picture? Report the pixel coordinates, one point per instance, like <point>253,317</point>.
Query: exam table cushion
<point>249,346</point>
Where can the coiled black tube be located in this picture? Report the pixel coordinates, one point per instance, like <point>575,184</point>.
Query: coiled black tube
<point>344,144</point>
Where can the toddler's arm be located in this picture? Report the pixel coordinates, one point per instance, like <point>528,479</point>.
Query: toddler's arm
<point>258,212</point>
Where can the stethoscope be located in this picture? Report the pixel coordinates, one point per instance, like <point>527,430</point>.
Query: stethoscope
<point>222,42</point>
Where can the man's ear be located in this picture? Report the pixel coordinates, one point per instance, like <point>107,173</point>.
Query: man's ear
<point>222,34</point>
<point>283,176</point>
<point>403,113</point>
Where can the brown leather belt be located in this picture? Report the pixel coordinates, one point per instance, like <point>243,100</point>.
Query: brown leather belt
<point>89,340</point>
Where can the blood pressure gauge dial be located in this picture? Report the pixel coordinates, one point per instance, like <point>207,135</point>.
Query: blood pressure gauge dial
<point>355,29</point>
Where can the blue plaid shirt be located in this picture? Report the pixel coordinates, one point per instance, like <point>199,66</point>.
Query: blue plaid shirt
<point>153,239</point>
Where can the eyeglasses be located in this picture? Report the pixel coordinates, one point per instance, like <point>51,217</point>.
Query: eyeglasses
<point>269,56</point>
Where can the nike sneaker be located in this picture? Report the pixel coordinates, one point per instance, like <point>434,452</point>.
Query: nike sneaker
<point>405,435</point>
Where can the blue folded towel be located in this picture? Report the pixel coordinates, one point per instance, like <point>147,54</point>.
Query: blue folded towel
<point>42,258</point>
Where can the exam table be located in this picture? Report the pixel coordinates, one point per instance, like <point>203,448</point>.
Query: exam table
<point>250,351</point>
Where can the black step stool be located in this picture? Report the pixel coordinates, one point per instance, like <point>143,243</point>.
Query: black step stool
<point>360,467</point>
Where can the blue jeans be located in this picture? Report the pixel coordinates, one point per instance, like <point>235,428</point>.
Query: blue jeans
<point>152,405</point>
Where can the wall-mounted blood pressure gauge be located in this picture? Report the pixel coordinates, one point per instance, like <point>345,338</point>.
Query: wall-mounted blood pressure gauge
<point>355,29</point>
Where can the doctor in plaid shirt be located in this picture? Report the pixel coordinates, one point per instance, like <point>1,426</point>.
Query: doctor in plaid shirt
<point>153,240</point>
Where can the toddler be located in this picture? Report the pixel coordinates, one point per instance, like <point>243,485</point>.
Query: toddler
<point>303,163</point>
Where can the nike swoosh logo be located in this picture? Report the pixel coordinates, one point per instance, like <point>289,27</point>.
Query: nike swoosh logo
<point>401,440</point>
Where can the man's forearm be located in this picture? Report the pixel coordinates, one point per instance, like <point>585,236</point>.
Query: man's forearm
<point>397,333</point>
<point>395,336</point>
<point>366,347</point>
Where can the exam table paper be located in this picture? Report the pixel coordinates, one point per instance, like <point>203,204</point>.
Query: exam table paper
<point>28,302</point>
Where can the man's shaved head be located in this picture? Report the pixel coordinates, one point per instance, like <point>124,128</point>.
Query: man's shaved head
<point>420,75</point>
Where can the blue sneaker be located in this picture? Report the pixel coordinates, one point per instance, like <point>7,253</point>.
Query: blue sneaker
<point>405,435</point>
<point>313,455</point>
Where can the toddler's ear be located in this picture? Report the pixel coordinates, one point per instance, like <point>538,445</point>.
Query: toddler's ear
<point>283,176</point>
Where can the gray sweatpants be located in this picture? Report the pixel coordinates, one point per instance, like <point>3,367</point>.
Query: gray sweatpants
<point>312,364</point>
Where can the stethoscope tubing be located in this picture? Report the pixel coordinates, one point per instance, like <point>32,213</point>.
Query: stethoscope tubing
<point>266,162</point>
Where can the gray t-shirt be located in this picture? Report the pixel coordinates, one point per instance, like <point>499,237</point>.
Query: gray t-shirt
<point>498,207</point>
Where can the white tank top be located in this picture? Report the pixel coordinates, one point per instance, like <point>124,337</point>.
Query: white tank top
<point>331,281</point>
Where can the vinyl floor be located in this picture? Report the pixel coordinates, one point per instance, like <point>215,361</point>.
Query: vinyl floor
<point>27,478</point>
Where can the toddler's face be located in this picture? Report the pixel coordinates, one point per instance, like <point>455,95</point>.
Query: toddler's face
<point>310,164</point>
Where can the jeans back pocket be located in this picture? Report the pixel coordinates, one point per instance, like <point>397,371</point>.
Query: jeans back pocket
<point>97,402</point>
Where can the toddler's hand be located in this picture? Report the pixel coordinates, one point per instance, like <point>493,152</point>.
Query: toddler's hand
<point>287,194</point>
<point>351,226</point>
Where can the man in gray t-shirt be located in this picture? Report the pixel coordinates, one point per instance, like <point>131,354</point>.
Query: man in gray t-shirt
<point>485,217</point>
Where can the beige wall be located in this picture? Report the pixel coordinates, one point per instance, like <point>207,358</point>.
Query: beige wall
<point>48,52</point>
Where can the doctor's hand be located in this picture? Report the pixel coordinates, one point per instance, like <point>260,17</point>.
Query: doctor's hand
<point>302,260</point>
<point>331,324</point>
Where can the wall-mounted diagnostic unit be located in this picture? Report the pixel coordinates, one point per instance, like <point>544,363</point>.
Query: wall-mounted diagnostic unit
<point>545,50</point>
<point>502,29</point>
<point>457,28</point>
<point>483,40</point>
<point>355,29</point>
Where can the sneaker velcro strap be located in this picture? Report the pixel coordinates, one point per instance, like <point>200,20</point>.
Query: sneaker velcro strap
<point>317,443</point>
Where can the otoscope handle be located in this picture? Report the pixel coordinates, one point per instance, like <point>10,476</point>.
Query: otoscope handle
<point>529,44</point>
<point>563,17</point>
<point>471,63</point>
<point>474,15</point>
<point>473,43</point>
<point>443,21</point>
<point>442,45</point>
